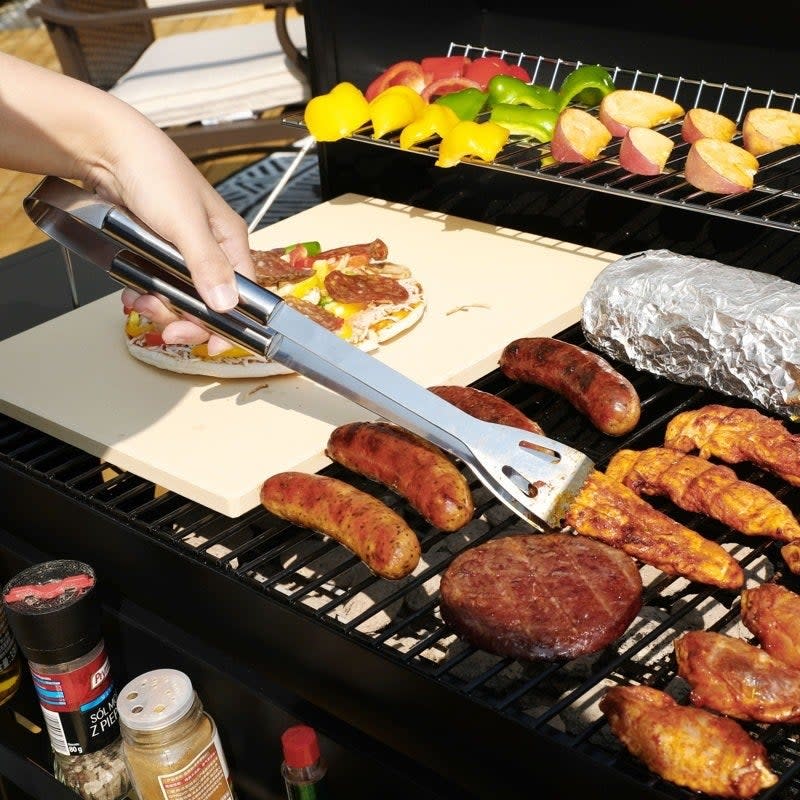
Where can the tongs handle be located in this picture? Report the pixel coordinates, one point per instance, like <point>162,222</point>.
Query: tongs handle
<point>99,231</point>
<point>254,301</point>
<point>136,272</point>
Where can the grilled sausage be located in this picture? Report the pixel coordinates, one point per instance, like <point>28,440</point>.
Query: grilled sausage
<point>362,523</point>
<point>409,465</point>
<point>584,378</point>
<point>486,406</point>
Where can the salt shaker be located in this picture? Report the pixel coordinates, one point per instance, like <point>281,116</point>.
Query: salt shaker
<point>170,742</point>
<point>55,616</point>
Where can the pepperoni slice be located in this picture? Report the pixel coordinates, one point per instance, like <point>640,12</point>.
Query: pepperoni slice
<point>375,250</point>
<point>315,312</point>
<point>364,288</point>
<point>270,268</point>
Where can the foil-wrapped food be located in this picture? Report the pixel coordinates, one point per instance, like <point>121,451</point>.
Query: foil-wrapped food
<point>700,322</point>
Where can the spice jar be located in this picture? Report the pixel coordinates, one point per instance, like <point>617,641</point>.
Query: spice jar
<point>54,614</point>
<point>170,742</point>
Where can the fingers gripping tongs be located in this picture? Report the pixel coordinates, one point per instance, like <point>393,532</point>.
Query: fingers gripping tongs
<point>534,476</point>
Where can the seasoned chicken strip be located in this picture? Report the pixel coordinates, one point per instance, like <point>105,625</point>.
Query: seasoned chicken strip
<point>736,678</point>
<point>688,746</point>
<point>607,510</point>
<point>791,555</point>
<point>735,435</point>
<point>694,484</point>
<point>772,613</point>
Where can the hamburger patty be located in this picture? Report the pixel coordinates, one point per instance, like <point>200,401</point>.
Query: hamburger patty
<point>541,596</point>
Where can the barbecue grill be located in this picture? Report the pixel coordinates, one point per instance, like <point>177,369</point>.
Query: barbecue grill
<point>275,615</point>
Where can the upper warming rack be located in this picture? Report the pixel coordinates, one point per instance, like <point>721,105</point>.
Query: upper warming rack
<point>773,202</point>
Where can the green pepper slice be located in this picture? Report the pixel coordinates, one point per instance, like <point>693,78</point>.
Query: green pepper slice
<point>513,91</point>
<point>466,103</point>
<point>312,248</point>
<point>587,85</point>
<point>520,120</point>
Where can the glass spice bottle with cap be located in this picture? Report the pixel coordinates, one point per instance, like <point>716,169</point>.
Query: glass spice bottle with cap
<point>170,742</point>
<point>55,617</point>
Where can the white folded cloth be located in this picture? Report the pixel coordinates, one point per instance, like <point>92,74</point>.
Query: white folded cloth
<point>224,73</point>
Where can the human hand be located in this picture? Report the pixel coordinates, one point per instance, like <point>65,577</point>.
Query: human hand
<point>178,203</point>
<point>112,148</point>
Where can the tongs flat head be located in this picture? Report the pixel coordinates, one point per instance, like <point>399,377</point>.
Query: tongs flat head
<point>536,477</point>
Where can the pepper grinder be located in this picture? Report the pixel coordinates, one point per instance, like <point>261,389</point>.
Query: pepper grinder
<point>55,616</point>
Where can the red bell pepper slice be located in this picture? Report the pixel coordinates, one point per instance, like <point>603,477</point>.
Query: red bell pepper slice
<point>406,73</point>
<point>447,86</point>
<point>153,339</point>
<point>482,70</point>
<point>437,68</point>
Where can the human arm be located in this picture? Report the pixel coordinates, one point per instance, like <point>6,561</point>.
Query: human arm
<point>55,125</point>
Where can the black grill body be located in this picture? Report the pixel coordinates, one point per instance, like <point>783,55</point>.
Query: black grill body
<point>288,626</point>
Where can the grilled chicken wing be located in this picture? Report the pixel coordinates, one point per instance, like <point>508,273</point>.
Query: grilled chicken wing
<point>694,484</point>
<point>772,613</point>
<point>735,435</point>
<point>791,555</point>
<point>688,746</point>
<point>606,510</point>
<point>736,678</point>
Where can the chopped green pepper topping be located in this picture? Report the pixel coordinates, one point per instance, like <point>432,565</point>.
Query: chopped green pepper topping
<point>312,248</point>
<point>586,85</point>
<point>467,103</point>
<point>537,123</point>
<point>512,91</point>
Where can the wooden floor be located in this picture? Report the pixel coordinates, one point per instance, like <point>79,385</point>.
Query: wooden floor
<point>33,44</point>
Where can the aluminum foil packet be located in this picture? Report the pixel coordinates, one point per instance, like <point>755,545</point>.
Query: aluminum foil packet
<point>702,323</point>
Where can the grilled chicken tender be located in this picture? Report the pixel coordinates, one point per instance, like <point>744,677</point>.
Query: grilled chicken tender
<point>791,555</point>
<point>733,677</point>
<point>694,484</point>
<point>772,613</point>
<point>735,435</point>
<point>688,746</point>
<point>607,510</point>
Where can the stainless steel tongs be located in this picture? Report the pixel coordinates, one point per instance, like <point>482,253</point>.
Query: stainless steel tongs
<point>534,476</point>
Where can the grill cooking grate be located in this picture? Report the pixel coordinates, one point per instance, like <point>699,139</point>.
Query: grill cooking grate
<point>774,201</point>
<point>401,620</point>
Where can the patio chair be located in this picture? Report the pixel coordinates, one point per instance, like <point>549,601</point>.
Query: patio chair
<point>214,91</point>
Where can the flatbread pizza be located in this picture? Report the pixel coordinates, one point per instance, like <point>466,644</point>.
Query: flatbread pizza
<point>353,291</point>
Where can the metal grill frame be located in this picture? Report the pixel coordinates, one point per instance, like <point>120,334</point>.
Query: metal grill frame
<point>242,565</point>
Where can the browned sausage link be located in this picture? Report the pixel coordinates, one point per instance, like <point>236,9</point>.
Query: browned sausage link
<point>270,268</point>
<point>375,250</point>
<point>363,288</point>
<point>362,523</point>
<point>486,406</point>
<point>409,465</point>
<point>588,381</point>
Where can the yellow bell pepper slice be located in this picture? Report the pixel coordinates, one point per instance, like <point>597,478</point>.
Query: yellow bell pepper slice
<point>305,286</point>
<point>201,351</point>
<point>413,97</point>
<point>436,120</point>
<point>393,109</point>
<point>337,114</point>
<point>136,326</point>
<point>481,139</point>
